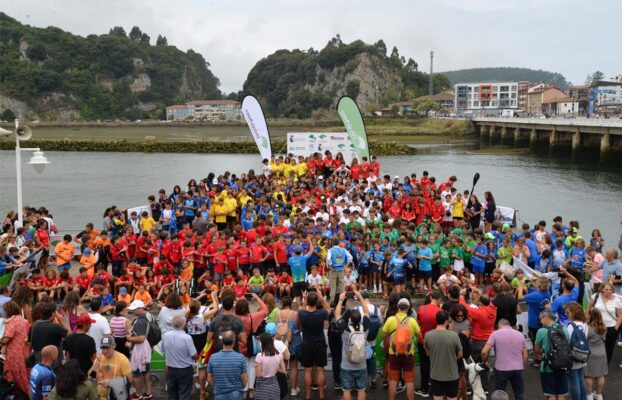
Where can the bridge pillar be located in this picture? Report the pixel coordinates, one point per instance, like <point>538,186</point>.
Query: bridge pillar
<point>533,137</point>
<point>553,137</point>
<point>483,130</point>
<point>576,144</point>
<point>605,143</point>
<point>504,134</point>
<point>607,154</point>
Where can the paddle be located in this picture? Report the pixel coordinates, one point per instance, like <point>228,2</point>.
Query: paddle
<point>475,179</point>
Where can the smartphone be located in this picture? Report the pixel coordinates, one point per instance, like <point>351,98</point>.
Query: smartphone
<point>248,296</point>
<point>349,295</point>
<point>312,289</point>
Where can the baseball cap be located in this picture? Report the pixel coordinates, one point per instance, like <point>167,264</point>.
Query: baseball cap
<point>403,303</point>
<point>84,319</point>
<point>107,341</point>
<point>489,236</point>
<point>87,252</point>
<point>505,227</point>
<point>271,328</point>
<point>123,291</point>
<point>136,304</point>
<point>215,181</point>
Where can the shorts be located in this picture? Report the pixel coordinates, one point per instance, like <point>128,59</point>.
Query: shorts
<point>353,379</point>
<point>138,372</point>
<point>298,288</point>
<point>45,253</point>
<point>425,274</point>
<point>376,269</point>
<point>64,266</point>
<point>231,218</point>
<point>488,267</point>
<point>282,267</point>
<point>364,269</point>
<point>554,384</point>
<point>295,346</point>
<point>404,364</point>
<point>444,388</point>
<point>477,269</point>
<point>313,354</point>
<point>218,276</point>
<point>399,280</point>
<point>141,260</point>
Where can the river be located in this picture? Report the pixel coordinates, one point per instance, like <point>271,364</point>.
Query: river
<point>76,187</point>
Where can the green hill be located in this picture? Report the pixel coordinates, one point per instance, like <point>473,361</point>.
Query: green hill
<point>499,74</point>
<point>304,83</point>
<point>52,74</point>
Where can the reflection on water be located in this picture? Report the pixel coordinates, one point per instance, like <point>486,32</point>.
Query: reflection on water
<point>77,187</point>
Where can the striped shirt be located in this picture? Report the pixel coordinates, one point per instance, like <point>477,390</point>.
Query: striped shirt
<point>117,326</point>
<point>227,367</point>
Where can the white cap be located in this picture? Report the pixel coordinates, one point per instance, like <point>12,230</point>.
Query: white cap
<point>403,302</point>
<point>215,181</point>
<point>136,304</point>
<point>396,177</point>
<point>320,177</point>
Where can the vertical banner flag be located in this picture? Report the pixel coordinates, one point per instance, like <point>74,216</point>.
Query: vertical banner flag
<point>253,114</point>
<point>351,117</point>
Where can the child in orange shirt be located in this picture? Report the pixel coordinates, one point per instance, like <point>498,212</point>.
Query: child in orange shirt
<point>124,296</point>
<point>143,295</point>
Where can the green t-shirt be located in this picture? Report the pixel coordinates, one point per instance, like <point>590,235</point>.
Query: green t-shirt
<point>467,253</point>
<point>255,280</point>
<point>392,238</point>
<point>445,260</point>
<point>504,254</point>
<point>542,340</point>
<point>434,247</point>
<point>457,252</point>
<point>353,225</point>
<point>272,316</point>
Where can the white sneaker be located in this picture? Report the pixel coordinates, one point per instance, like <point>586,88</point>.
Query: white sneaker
<point>295,392</point>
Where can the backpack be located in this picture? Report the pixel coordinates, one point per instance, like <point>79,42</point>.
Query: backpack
<point>154,334</point>
<point>374,325</point>
<point>357,343</point>
<point>283,332</point>
<point>557,358</point>
<point>579,347</point>
<point>402,338</point>
<point>226,324</point>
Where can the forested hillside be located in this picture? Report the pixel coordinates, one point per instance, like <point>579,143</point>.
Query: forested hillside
<point>506,74</point>
<point>53,74</point>
<point>302,83</point>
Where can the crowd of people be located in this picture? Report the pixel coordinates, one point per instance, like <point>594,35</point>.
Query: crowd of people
<point>239,281</point>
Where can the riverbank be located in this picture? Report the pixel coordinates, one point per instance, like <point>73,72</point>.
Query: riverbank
<point>150,145</point>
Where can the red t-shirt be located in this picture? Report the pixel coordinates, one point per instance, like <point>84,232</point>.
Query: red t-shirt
<point>228,281</point>
<point>281,252</point>
<point>141,248</point>
<point>244,255</point>
<point>220,260</point>
<point>232,259</point>
<point>240,291</point>
<point>43,237</point>
<point>258,252</point>
<point>287,280</point>
<point>356,171</point>
<point>426,316</point>
<point>52,282</point>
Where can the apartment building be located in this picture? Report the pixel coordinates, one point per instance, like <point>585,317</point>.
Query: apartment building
<point>207,110</point>
<point>485,98</point>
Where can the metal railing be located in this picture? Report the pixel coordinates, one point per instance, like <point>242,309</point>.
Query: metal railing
<point>592,122</point>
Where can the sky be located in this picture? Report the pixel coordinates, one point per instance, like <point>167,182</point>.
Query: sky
<point>567,36</point>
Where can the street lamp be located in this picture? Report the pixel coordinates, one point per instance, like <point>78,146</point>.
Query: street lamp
<point>38,161</point>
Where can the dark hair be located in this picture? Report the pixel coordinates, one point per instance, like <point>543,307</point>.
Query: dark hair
<point>47,310</point>
<point>457,308</point>
<point>454,292</point>
<point>172,301</point>
<point>392,306</point>
<point>68,377</point>
<point>267,345</point>
<point>227,302</point>
<point>286,302</point>
<point>11,308</point>
<point>441,317</point>
<point>119,306</point>
<point>23,296</point>
<point>312,299</point>
<point>241,307</point>
<point>96,304</point>
<point>355,319</point>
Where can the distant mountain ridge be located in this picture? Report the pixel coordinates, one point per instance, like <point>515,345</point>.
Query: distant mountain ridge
<point>498,74</point>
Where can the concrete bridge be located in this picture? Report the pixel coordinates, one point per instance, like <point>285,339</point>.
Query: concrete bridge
<point>583,137</point>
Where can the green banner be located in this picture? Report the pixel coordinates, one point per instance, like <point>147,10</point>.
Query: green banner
<point>353,121</point>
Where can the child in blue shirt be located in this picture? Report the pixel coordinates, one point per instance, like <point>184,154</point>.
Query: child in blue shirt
<point>424,255</point>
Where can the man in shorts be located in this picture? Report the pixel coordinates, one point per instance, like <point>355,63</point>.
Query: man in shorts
<point>298,266</point>
<point>401,364</point>
<point>554,384</point>
<point>444,349</point>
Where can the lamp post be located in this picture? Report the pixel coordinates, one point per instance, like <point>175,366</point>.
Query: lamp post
<point>38,161</point>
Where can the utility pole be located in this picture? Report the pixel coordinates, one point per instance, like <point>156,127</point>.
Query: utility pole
<point>431,72</point>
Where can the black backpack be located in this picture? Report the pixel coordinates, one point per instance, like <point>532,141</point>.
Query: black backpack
<point>558,357</point>
<point>154,333</point>
<point>225,324</point>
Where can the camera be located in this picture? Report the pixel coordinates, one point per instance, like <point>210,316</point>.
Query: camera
<point>349,295</point>
<point>248,296</point>
<point>312,289</point>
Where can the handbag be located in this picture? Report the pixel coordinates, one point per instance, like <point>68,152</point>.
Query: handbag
<point>283,385</point>
<point>253,345</point>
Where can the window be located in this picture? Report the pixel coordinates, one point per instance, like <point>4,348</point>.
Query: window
<point>495,88</point>
<point>476,96</point>
<point>476,104</point>
<point>505,88</point>
<point>513,102</point>
<point>513,95</point>
<point>513,88</point>
<point>494,95</point>
<point>494,103</point>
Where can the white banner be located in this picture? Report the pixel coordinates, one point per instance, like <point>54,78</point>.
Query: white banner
<point>139,211</point>
<point>506,215</point>
<point>306,143</point>
<point>253,114</point>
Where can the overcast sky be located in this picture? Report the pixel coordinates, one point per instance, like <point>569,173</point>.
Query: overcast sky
<point>573,37</point>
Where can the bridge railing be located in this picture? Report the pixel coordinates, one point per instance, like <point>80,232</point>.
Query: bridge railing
<point>593,122</point>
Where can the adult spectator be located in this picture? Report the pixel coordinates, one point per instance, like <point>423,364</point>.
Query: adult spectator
<point>462,326</point>
<point>612,268</point>
<point>100,327</point>
<point>268,362</point>
<point>15,347</point>
<point>180,353</point>
<point>42,377</point>
<point>453,298</point>
<point>554,384</point>
<point>443,347</point>
<point>401,364</point>
<point>311,321</point>
<point>226,321</point>
<point>227,370</point>
<point>511,355</point>
<point>50,329</point>
<point>353,373</point>
<point>298,267</point>
<point>172,307</point>
<point>427,322</point>
<point>570,293</point>
<point>597,363</point>
<point>71,384</point>
<point>375,317</point>
<point>112,369</point>
<point>577,319</point>
<point>80,346</point>
<point>140,357</point>
<point>506,303</point>
<point>537,298</point>
<point>288,316</point>
<point>337,258</point>
<point>610,307</point>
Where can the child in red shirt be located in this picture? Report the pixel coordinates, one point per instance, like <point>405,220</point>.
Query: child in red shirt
<point>228,280</point>
<point>239,289</point>
<point>220,260</point>
<point>285,283</point>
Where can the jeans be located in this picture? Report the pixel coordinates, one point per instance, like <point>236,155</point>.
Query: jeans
<point>516,380</point>
<point>424,366</point>
<point>230,396</point>
<point>335,343</point>
<point>179,383</point>
<point>576,381</point>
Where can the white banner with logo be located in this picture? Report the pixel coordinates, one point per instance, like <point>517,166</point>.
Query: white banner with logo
<point>253,114</point>
<point>506,215</point>
<point>306,143</point>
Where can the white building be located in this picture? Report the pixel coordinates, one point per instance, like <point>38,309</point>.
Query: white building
<point>208,110</point>
<point>485,98</point>
<point>607,97</point>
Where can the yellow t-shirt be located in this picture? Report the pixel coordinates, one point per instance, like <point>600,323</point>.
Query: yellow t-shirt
<point>301,169</point>
<point>220,209</point>
<point>114,367</point>
<point>232,205</point>
<point>458,209</point>
<point>147,224</point>
<point>391,326</point>
<point>243,200</point>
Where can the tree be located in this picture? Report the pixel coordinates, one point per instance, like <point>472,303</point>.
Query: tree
<point>144,38</point>
<point>593,78</point>
<point>7,115</point>
<point>335,42</point>
<point>353,88</point>
<point>37,52</point>
<point>117,31</point>
<point>161,41</point>
<point>412,65</point>
<point>381,47</point>
<point>427,105</point>
<point>395,53</point>
<point>135,34</point>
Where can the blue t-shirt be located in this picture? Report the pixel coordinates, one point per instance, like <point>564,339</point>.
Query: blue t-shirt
<point>536,300</point>
<point>558,305</point>
<point>42,380</point>
<point>298,264</point>
<point>476,260</point>
<point>106,300</point>
<point>425,265</point>
<point>398,266</point>
<point>227,367</point>
<point>533,250</point>
<point>577,257</point>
